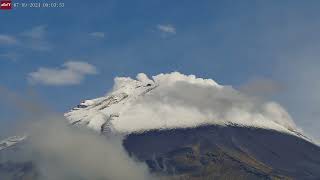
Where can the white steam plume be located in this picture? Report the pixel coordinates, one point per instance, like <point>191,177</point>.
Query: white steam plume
<point>187,101</point>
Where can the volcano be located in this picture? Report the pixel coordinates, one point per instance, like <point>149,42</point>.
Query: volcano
<point>188,127</point>
<point>184,127</point>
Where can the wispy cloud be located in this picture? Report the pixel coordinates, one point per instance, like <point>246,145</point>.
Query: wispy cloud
<point>37,32</point>
<point>35,38</point>
<point>8,40</point>
<point>97,34</point>
<point>11,56</point>
<point>70,73</point>
<point>166,29</point>
<point>262,87</point>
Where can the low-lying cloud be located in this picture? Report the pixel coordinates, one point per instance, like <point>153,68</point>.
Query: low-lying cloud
<point>60,151</point>
<point>71,73</point>
<point>67,153</point>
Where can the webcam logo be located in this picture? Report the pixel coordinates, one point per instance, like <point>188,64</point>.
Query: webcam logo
<point>5,4</point>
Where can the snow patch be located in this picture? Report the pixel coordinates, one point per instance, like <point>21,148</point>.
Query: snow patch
<point>11,141</point>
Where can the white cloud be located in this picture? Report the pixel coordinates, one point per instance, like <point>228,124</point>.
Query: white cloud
<point>166,28</point>
<point>71,72</point>
<point>97,34</point>
<point>8,40</point>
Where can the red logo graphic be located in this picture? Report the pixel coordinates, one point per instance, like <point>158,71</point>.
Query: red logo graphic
<point>5,4</point>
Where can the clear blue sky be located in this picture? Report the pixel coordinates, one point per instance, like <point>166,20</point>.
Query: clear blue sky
<point>231,42</point>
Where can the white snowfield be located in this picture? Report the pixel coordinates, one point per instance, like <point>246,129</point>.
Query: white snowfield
<point>175,100</point>
<point>6,143</point>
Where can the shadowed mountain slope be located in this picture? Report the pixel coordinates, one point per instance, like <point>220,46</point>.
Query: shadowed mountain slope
<point>216,152</point>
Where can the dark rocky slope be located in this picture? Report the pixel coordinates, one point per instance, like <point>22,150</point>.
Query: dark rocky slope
<point>215,152</point>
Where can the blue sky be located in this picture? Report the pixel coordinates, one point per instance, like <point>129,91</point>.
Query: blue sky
<point>238,43</point>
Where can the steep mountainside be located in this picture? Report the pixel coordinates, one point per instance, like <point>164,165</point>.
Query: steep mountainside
<point>216,152</point>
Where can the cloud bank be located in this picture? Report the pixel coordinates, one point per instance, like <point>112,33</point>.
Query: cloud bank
<point>71,73</point>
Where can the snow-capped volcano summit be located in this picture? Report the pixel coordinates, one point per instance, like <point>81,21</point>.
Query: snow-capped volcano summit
<point>100,113</point>
<point>174,100</point>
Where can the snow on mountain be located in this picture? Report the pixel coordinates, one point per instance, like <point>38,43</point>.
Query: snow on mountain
<point>175,100</point>
<point>6,143</point>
